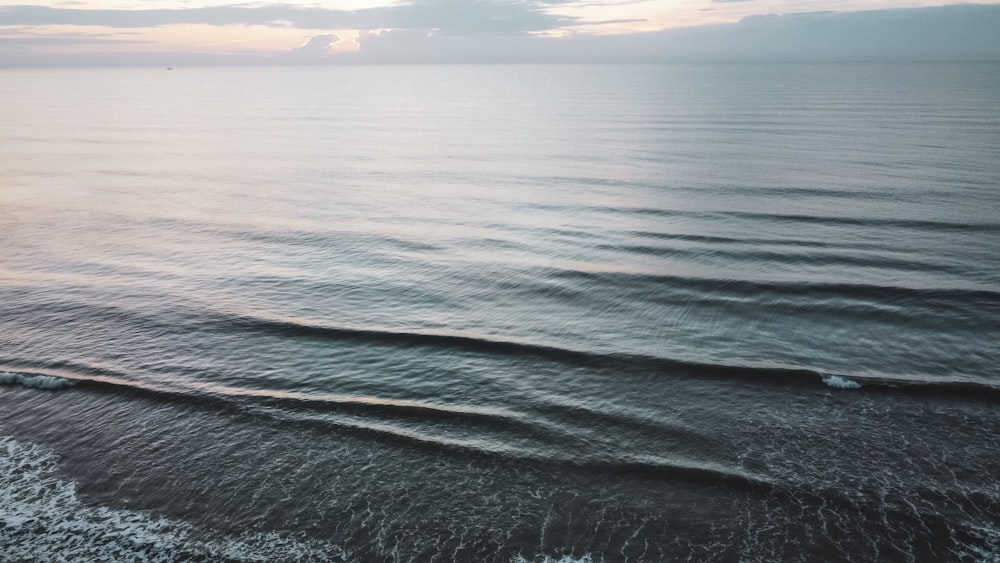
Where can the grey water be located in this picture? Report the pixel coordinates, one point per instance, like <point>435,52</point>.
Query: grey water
<point>501,313</point>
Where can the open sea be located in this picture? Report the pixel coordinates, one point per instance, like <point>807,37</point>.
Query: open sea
<point>501,313</point>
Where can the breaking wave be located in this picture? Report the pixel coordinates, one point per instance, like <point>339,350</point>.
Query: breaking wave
<point>35,381</point>
<point>43,519</point>
<point>838,382</point>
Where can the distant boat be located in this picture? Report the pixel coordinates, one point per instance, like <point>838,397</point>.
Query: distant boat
<point>170,68</point>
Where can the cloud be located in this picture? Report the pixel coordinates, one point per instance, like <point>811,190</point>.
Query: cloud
<point>69,40</point>
<point>961,32</point>
<point>964,32</point>
<point>446,16</point>
<point>316,49</point>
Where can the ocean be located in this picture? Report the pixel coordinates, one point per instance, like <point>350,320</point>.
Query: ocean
<point>705,312</point>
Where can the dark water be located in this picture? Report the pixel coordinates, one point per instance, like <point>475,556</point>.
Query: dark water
<point>501,313</point>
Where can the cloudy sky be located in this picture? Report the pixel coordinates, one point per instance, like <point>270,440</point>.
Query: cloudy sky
<point>214,31</point>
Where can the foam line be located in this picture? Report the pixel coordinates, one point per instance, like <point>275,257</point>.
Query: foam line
<point>44,520</point>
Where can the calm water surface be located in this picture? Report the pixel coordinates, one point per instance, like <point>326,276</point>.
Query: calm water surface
<point>501,313</point>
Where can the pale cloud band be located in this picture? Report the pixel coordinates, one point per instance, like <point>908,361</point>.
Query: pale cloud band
<point>449,16</point>
<point>495,31</point>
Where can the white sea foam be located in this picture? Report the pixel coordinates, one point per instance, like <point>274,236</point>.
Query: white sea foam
<point>984,548</point>
<point>547,559</point>
<point>36,381</point>
<point>42,519</point>
<point>838,382</point>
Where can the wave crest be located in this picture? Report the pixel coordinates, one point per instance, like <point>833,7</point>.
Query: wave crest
<point>35,381</point>
<point>838,382</point>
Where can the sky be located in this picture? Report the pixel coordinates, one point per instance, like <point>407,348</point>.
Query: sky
<point>377,31</point>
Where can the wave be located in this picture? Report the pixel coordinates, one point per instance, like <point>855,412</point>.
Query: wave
<point>43,519</point>
<point>675,468</point>
<point>824,220</point>
<point>35,381</point>
<point>585,558</point>
<point>293,326</point>
<point>884,301</point>
<point>490,432</point>
<point>704,473</point>
<point>64,375</point>
<point>652,467</point>
<point>757,256</point>
<point>288,326</point>
<point>36,374</point>
<point>789,218</point>
<point>838,382</point>
<point>394,420</point>
<point>756,288</point>
<point>365,242</point>
<point>755,242</point>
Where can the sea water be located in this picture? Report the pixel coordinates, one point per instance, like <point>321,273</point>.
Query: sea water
<point>501,313</point>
